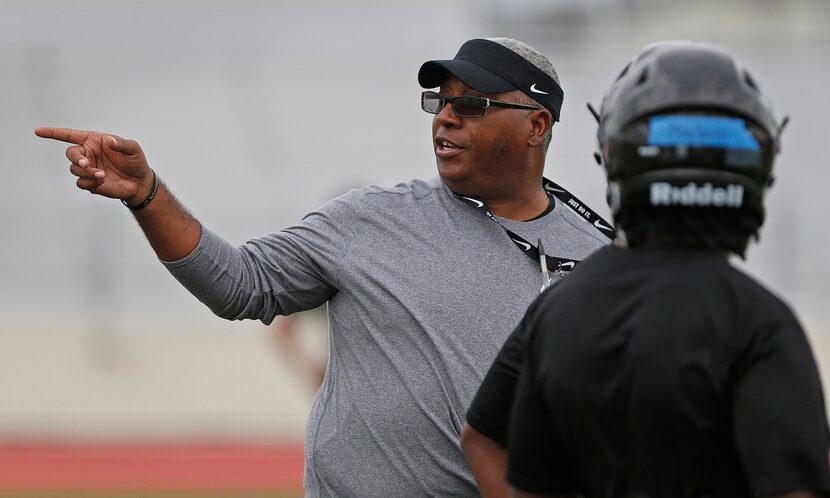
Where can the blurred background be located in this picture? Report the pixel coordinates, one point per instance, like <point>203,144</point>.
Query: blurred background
<point>114,381</point>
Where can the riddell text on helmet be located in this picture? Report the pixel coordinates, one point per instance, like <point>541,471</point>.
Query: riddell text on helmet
<point>666,194</point>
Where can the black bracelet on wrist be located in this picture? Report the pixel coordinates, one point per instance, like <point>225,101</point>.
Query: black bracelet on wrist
<point>149,197</point>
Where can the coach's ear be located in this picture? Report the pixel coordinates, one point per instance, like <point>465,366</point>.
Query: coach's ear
<point>540,123</point>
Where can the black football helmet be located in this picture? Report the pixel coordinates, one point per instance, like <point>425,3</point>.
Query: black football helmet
<point>685,124</point>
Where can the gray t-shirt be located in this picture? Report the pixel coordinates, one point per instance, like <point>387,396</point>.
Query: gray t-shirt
<point>422,291</point>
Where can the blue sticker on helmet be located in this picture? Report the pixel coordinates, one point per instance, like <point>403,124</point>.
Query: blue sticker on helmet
<point>701,131</point>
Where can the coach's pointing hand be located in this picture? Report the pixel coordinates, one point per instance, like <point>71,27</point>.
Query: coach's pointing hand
<point>105,164</point>
<point>116,167</point>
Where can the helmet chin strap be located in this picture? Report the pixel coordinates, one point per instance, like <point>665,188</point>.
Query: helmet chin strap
<point>784,122</point>
<point>612,195</point>
<point>593,111</point>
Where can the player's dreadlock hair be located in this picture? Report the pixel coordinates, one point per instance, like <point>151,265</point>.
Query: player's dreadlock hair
<point>709,229</point>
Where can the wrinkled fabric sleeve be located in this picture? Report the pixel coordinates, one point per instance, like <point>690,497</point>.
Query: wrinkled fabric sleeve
<point>293,270</point>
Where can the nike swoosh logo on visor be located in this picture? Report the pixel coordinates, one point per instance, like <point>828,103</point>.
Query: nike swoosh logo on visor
<point>535,90</point>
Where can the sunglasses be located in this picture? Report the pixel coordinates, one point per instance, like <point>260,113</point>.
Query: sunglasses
<point>465,106</point>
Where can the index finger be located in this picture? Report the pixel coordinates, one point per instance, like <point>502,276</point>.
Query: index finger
<point>64,134</point>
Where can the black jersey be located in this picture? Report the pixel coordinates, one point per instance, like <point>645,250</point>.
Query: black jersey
<point>489,412</point>
<point>659,373</point>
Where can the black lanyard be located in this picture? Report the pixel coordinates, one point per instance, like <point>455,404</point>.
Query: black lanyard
<point>561,265</point>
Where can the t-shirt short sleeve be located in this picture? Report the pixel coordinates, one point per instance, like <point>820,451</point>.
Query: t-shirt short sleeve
<point>537,461</point>
<point>779,420</point>
<point>489,412</point>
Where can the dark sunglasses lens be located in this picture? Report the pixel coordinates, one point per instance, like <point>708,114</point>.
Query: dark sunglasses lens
<point>431,102</point>
<point>469,107</point>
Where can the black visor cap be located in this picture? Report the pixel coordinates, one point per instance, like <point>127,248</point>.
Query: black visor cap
<point>489,67</point>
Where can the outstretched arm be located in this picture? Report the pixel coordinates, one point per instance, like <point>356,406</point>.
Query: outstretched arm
<point>115,167</point>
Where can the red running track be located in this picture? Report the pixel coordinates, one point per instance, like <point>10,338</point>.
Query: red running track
<point>173,467</point>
